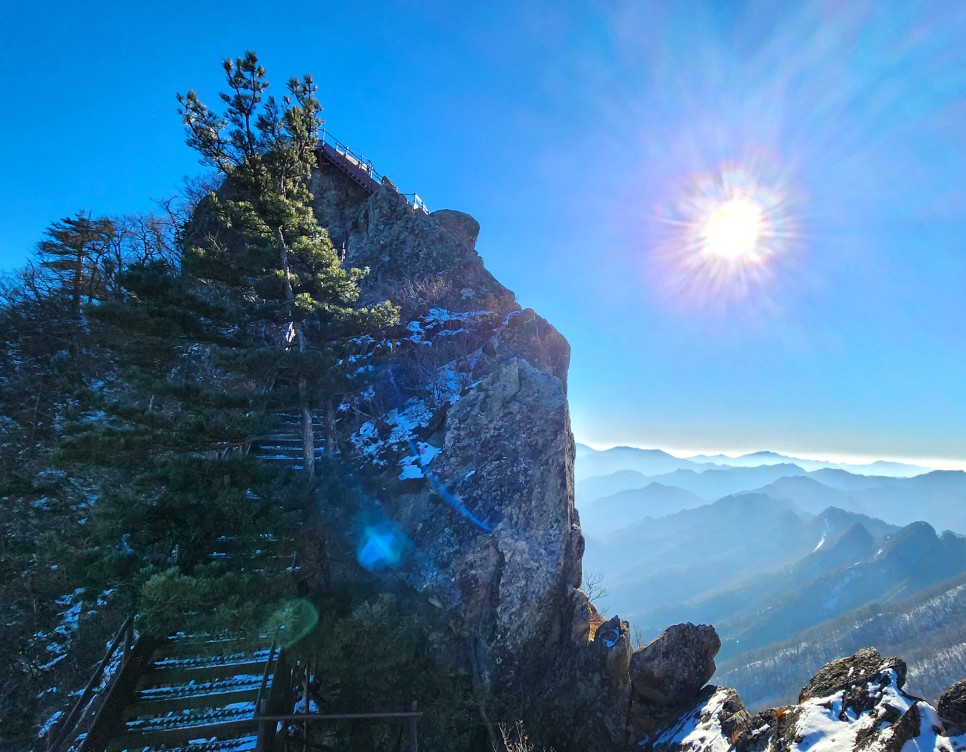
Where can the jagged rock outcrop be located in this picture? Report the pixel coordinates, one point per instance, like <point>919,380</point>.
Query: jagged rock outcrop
<point>424,256</point>
<point>853,704</point>
<point>847,673</point>
<point>667,675</point>
<point>715,722</point>
<point>952,709</point>
<point>589,685</point>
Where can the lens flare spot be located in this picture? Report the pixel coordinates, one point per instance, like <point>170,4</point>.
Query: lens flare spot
<point>294,619</point>
<point>380,547</point>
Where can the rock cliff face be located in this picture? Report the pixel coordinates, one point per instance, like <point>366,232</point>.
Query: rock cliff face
<point>464,440</point>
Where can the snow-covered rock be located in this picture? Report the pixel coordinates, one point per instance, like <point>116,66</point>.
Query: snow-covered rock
<point>854,704</point>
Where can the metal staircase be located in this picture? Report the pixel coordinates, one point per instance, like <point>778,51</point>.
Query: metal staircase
<point>209,693</point>
<point>200,694</point>
<point>283,446</point>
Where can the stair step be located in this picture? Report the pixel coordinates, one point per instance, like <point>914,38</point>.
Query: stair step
<point>224,684</point>
<point>214,646</point>
<point>186,718</point>
<point>286,457</point>
<point>137,738</point>
<point>235,744</point>
<point>202,668</point>
<point>151,707</point>
<point>260,556</point>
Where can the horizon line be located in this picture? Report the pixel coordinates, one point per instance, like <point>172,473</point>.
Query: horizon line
<point>932,463</point>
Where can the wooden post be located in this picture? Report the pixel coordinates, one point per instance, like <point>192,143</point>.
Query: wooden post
<point>413,742</point>
<point>262,709</point>
<point>128,641</point>
<point>305,728</point>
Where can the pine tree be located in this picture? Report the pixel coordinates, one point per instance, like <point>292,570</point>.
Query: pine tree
<point>264,243</point>
<point>72,255</point>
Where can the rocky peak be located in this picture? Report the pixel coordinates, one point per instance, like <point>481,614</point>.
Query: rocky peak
<point>859,670</point>
<point>952,709</point>
<point>464,435</point>
<point>853,704</point>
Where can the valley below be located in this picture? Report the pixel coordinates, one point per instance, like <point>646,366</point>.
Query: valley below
<point>795,562</point>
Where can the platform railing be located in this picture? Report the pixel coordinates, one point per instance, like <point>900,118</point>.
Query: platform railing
<point>353,162</point>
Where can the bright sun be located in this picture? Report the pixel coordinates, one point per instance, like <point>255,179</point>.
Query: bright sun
<point>728,234</point>
<point>733,229</point>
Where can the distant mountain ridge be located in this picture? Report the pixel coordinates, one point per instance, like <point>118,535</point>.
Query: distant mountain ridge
<point>926,627</point>
<point>937,497</point>
<point>625,457</point>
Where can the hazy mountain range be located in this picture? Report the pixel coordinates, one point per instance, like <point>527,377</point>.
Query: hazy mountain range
<point>934,496</point>
<point>773,551</point>
<point>655,461</point>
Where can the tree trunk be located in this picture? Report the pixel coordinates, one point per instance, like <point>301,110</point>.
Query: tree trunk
<point>308,433</point>
<point>329,428</point>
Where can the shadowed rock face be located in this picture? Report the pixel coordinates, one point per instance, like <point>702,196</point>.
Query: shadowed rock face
<point>952,708</point>
<point>479,387</point>
<point>589,688</point>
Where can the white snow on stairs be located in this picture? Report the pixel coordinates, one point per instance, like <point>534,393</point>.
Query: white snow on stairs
<point>197,695</point>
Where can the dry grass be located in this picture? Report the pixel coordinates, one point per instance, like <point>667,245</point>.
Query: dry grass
<point>514,739</point>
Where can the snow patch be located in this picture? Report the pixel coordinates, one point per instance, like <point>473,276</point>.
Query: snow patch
<point>412,465</point>
<point>700,730</point>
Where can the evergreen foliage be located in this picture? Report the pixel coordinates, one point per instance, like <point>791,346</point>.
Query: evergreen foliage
<point>263,243</point>
<point>75,258</point>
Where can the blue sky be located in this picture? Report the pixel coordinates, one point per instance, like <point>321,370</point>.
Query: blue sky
<point>574,132</point>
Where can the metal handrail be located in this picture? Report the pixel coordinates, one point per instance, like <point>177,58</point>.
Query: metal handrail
<point>358,160</point>
<point>62,730</point>
<point>413,715</point>
<point>365,165</point>
<point>338,716</point>
<point>268,665</point>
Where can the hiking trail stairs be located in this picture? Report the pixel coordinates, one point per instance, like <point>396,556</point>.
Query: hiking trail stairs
<point>196,695</point>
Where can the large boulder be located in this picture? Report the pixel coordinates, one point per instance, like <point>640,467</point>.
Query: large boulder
<point>673,668</point>
<point>667,676</point>
<point>458,225</point>
<point>952,709</point>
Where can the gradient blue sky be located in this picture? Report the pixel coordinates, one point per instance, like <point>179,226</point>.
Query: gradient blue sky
<point>568,130</point>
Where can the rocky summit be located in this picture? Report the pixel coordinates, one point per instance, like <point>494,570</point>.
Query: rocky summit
<point>854,703</point>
